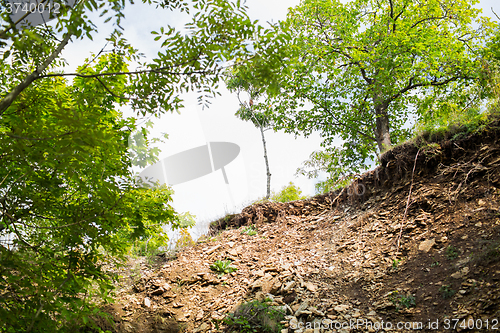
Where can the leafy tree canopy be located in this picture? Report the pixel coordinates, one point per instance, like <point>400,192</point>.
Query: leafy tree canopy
<point>358,71</point>
<point>69,202</point>
<point>219,32</point>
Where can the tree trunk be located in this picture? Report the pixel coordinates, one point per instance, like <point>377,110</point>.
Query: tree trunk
<point>267,163</point>
<point>382,131</point>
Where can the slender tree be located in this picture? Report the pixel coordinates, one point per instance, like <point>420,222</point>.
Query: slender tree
<point>250,111</point>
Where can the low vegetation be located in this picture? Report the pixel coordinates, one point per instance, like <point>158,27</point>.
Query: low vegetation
<point>288,193</point>
<point>451,252</point>
<point>255,316</point>
<point>223,267</point>
<point>250,230</point>
<point>446,291</point>
<point>402,301</point>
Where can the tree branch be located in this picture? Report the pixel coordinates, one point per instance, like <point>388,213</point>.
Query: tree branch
<point>161,70</point>
<point>338,122</point>
<point>14,229</point>
<point>391,5</point>
<point>14,136</point>
<point>434,83</point>
<point>428,19</point>
<point>112,93</point>
<point>7,100</point>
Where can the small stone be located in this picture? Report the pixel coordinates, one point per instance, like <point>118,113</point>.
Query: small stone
<point>217,316</point>
<point>276,286</point>
<point>259,273</point>
<point>183,317</point>
<point>462,262</point>
<point>341,308</point>
<point>177,305</point>
<point>316,312</point>
<point>169,295</point>
<point>213,249</point>
<point>260,296</point>
<point>158,291</point>
<point>302,307</point>
<point>281,308</point>
<point>270,285</point>
<point>288,286</point>
<point>147,302</point>
<point>202,328</point>
<point>303,312</point>
<point>426,245</point>
<point>311,286</point>
<point>461,273</point>
<point>200,314</point>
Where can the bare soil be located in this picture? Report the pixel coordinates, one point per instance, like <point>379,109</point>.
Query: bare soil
<point>415,241</point>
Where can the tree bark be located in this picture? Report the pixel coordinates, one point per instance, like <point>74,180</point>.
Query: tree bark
<point>382,129</point>
<point>268,195</point>
<point>383,134</point>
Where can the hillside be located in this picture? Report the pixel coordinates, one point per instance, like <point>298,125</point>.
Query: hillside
<point>415,241</point>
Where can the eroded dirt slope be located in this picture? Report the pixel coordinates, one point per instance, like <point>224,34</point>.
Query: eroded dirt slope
<point>414,241</point>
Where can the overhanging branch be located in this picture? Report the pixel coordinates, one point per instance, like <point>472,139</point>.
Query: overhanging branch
<point>7,100</point>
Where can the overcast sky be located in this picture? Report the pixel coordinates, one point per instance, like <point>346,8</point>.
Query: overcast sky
<point>208,197</point>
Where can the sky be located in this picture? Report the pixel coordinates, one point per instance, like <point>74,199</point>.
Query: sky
<point>209,197</point>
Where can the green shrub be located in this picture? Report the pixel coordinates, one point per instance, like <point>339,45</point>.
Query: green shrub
<point>449,122</point>
<point>149,246</point>
<point>255,316</point>
<point>288,193</point>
